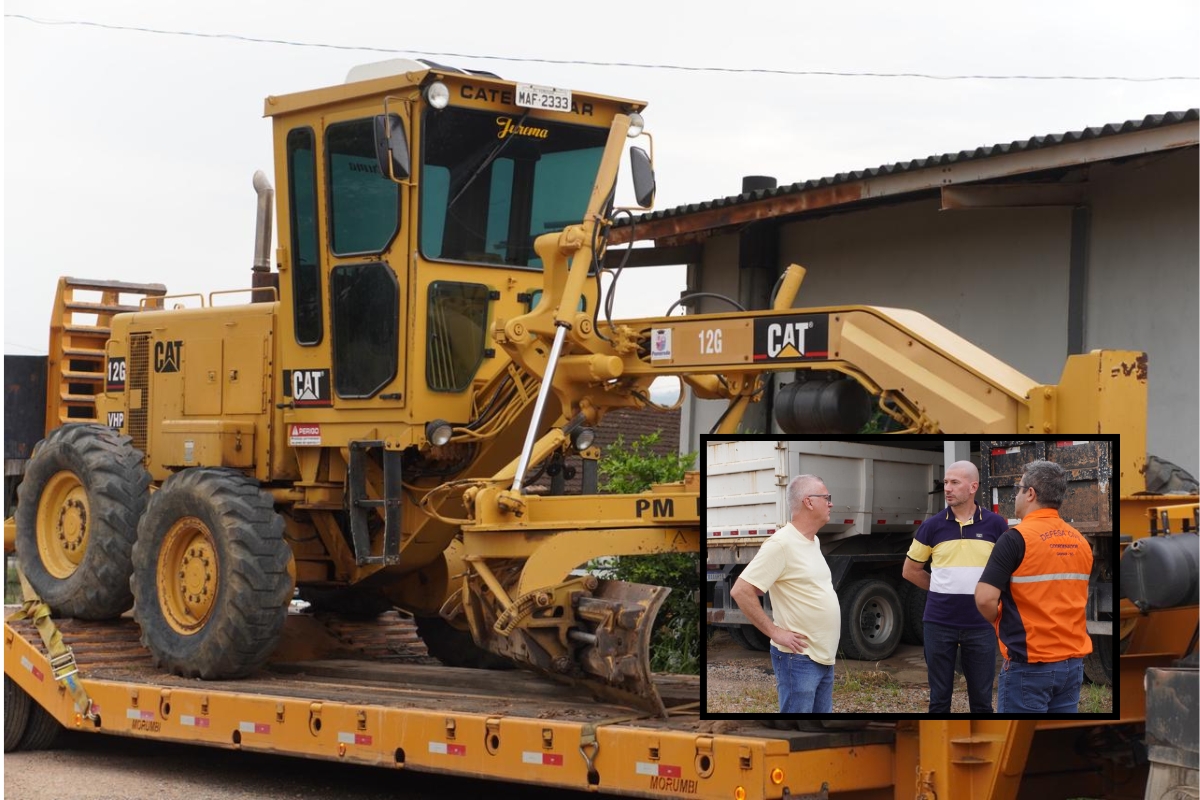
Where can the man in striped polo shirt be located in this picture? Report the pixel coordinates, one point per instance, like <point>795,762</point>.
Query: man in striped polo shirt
<point>959,540</point>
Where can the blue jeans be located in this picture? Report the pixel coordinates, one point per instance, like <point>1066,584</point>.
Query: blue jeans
<point>805,687</point>
<point>978,649</point>
<point>1049,688</point>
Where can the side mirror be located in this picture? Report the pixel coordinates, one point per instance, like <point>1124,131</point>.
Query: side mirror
<point>643,177</point>
<point>391,147</point>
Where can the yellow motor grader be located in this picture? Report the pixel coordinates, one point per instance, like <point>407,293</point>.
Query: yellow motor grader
<point>364,423</point>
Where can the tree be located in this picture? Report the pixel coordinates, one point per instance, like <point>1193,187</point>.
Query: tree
<point>632,468</point>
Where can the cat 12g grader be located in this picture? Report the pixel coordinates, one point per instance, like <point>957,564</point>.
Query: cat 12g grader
<point>364,423</point>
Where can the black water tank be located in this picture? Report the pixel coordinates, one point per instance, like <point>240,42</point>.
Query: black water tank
<point>823,406</point>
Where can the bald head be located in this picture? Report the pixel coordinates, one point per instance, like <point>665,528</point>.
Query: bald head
<point>962,481</point>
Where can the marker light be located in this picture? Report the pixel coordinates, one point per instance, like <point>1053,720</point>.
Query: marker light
<point>777,776</point>
<point>636,125</point>
<point>437,95</point>
<point>583,438</point>
<point>438,432</point>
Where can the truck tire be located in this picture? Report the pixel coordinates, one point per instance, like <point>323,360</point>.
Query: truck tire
<point>750,637</point>
<point>456,648</point>
<point>77,514</point>
<point>210,581</point>
<point>41,731</point>
<point>913,598</point>
<point>872,620</point>
<point>1097,665</point>
<point>16,713</point>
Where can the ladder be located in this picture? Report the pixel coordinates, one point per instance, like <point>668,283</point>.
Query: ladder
<point>76,363</point>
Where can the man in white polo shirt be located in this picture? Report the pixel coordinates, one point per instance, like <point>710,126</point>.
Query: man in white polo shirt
<point>790,566</point>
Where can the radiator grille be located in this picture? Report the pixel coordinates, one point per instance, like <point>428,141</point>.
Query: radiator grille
<point>139,382</point>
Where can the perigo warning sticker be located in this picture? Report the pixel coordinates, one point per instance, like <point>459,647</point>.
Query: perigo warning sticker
<point>304,434</point>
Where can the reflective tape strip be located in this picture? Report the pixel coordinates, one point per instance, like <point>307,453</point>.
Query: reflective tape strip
<point>354,738</point>
<point>194,722</point>
<point>548,759</point>
<point>661,770</point>
<point>254,727</point>
<point>134,713</point>
<point>442,748</point>
<point>33,670</point>
<point>1056,576</point>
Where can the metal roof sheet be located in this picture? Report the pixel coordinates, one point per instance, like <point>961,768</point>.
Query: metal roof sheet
<point>1037,142</point>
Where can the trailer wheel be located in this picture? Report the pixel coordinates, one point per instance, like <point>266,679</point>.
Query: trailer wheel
<point>913,599</point>
<point>750,637</point>
<point>210,582</point>
<point>872,620</point>
<point>41,732</point>
<point>1097,665</point>
<point>77,515</point>
<point>16,713</point>
<point>456,648</point>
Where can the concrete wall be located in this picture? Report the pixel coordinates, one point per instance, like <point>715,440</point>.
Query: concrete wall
<point>999,278</point>
<point>1143,292</point>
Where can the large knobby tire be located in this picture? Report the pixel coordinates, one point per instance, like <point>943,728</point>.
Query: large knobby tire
<point>913,599</point>
<point>456,648</point>
<point>1097,665</point>
<point>872,620</point>
<point>16,713</point>
<point>77,514</point>
<point>750,637</point>
<point>210,582</point>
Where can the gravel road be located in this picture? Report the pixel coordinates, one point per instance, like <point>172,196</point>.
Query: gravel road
<point>92,767</point>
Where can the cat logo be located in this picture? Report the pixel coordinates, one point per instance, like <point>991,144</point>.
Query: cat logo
<point>309,387</point>
<point>116,420</point>
<point>166,356</point>
<point>794,337</point>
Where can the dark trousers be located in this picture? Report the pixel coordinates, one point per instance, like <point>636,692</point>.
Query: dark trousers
<point>977,646</point>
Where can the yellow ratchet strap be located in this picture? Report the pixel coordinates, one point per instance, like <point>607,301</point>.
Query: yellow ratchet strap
<point>62,658</point>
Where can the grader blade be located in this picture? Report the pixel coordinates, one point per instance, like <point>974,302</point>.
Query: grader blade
<point>615,643</point>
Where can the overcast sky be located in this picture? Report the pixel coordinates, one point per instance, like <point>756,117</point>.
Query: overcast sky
<point>129,155</point>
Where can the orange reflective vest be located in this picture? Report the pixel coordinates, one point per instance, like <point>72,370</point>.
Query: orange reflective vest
<point>1043,610</point>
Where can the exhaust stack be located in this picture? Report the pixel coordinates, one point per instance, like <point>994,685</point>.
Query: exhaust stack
<point>261,276</point>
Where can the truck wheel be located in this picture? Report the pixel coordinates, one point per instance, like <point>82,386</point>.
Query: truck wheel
<point>210,582</point>
<point>1097,665</point>
<point>750,637</point>
<point>77,515</point>
<point>41,732</point>
<point>872,620</point>
<point>913,599</point>
<point>16,713</point>
<point>456,648</point>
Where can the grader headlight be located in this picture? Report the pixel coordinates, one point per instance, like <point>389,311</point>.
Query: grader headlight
<point>437,95</point>
<point>438,432</point>
<point>636,125</point>
<point>583,438</point>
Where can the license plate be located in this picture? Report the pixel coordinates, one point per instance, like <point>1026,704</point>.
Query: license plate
<point>544,97</point>
<point>716,576</point>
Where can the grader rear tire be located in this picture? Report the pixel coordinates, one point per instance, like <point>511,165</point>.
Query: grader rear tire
<point>77,517</point>
<point>210,583</point>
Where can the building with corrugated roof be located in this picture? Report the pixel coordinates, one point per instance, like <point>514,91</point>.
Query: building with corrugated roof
<point>1032,250</point>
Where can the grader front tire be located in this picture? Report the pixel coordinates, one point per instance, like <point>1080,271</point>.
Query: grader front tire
<point>210,582</point>
<point>77,517</point>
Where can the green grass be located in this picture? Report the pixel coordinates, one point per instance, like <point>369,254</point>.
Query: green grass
<point>1094,699</point>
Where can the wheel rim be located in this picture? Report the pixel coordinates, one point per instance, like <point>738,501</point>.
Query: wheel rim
<point>62,524</point>
<point>187,575</point>
<point>877,620</point>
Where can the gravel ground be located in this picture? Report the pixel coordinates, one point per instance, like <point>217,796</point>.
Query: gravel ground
<point>741,681</point>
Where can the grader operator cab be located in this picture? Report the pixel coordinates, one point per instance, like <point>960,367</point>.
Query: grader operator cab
<point>430,344</point>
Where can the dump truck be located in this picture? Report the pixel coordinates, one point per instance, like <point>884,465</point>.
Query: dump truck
<point>881,495</point>
<point>365,425</point>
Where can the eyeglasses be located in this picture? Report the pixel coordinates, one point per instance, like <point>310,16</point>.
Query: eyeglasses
<point>828,498</point>
<point>1020,488</point>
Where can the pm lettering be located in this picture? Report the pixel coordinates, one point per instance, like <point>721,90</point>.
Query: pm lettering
<point>657,508</point>
<point>166,356</point>
<point>786,334</point>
